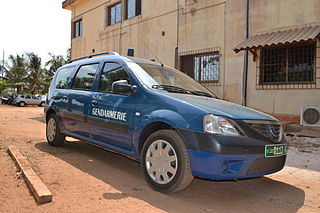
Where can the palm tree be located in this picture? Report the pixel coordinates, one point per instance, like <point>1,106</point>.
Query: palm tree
<point>17,72</point>
<point>35,72</point>
<point>54,63</point>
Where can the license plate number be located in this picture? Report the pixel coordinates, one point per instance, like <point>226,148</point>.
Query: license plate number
<point>275,150</point>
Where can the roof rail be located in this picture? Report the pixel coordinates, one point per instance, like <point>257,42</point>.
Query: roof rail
<point>93,55</point>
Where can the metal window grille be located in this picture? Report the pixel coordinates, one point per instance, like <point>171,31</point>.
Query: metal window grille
<point>287,67</point>
<point>114,14</point>
<point>202,67</point>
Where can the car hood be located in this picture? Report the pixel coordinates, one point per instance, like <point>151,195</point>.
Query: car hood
<point>220,107</point>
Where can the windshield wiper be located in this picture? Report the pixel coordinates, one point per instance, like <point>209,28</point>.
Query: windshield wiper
<point>170,88</point>
<point>201,93</point>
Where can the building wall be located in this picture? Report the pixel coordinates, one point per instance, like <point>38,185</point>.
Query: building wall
<point>143,33</point>
<point>193,25</point>
<point>268,15</point>
<point>202,26</point>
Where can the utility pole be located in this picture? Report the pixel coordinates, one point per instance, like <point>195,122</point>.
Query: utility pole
<point>2,68</point>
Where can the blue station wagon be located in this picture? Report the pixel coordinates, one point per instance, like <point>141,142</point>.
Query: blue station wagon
<point>161,117</point>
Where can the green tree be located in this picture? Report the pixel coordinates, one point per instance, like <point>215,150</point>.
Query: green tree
<point>68,57</point>
<point>54,63</point>
<point>17,72</point>
<point>3,85</point>
<point>36,74</point>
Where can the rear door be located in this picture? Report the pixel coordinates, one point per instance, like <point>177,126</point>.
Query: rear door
<point>111,115</point>
<point>60,91</point>
<point>35,100</point>
<point>27,99</point>
<point>79,100</point>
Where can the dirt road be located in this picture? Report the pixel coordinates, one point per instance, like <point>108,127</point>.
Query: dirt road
<point>84,178</point>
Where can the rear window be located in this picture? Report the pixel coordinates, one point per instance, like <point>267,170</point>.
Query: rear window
<point>63,78</point>
<point>84,77</point>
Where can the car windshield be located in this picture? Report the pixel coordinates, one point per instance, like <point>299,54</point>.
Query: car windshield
<point>173,80</point>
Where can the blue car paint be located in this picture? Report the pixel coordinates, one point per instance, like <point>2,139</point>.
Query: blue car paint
<point>224,167</point>
<point>180,111</point>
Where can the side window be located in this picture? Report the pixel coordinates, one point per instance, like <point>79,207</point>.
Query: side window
<point>63,78</point>
<point>84,77</point>
<point>28,97</point>
<point>111,72</point>
<point>133,8</point>
<point>22,96</point>
<point>114,14</point>
<point>34,98</point>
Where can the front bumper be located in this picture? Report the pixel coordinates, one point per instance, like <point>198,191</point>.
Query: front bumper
<point>221,157</point>
<point>230,167</point>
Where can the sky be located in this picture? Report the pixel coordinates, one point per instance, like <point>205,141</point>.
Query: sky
<point>39,26</point>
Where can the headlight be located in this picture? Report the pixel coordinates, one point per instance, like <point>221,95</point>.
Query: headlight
<point>218,125</point>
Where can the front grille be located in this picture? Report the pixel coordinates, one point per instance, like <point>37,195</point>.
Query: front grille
<point>270,130</point>
<point>266,164</point>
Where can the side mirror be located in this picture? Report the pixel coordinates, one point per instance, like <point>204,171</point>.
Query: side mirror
<point>122,87</point>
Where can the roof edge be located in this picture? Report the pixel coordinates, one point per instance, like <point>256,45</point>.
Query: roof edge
<point>280,37</point>
<point>67,3</point>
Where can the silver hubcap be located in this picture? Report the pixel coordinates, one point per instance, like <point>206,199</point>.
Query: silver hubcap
<point>51,129</point>
<point>161,162</point>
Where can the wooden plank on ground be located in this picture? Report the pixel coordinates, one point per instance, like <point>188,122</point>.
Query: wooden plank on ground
<point>38,189</point>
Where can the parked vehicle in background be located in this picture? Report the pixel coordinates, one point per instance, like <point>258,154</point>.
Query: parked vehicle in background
<point>43,97</point>
<point>8,99</point>
<point>23,100</point>
<point>11,99</point>
<point>5,100</point>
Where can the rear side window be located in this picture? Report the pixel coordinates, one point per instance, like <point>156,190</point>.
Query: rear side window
<point>63,78</point>
<point>84,77</point>
<point>111,72</point>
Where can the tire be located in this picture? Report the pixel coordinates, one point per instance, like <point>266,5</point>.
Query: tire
<point>22,104</point>
<point>41,104</point>
<point>53,134</point>
<point>171,172</point>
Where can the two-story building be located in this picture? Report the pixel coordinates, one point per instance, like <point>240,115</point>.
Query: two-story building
<point>261,53</point>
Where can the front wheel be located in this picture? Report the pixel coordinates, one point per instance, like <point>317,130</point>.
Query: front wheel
<point>165,162</point>
<point>54,136</point>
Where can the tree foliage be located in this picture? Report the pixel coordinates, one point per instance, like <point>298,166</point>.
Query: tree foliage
<point>17,73</point>
<point>26,74</point>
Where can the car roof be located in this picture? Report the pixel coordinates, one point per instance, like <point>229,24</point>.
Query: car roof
<point>112,57</point>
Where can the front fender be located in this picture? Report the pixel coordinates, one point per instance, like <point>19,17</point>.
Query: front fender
<point>165,116</point>
<point>168,117</point>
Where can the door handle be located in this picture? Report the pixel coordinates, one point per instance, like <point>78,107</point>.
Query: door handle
<point>65,98</point>
<point>94,102</point>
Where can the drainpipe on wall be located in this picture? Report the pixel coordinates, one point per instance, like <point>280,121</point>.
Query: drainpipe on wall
<point>245,57</point>
<point>176,51</point>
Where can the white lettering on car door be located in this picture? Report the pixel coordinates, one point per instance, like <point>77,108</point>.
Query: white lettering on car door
<point>121,116</point>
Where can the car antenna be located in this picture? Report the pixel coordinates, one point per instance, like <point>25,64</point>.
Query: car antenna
<point>150,51</point>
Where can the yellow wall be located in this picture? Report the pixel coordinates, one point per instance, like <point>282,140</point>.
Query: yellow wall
<point>203,24</point>
<point>266,15</point>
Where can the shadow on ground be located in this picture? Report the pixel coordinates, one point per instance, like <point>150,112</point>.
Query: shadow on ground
<point>41,119</point>
<point>255,195</point>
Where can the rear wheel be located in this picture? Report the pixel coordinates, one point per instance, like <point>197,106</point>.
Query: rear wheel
<point>41,104</point>
<point>22,104</point>
<point>54,136</point>
<point>165,162</point>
